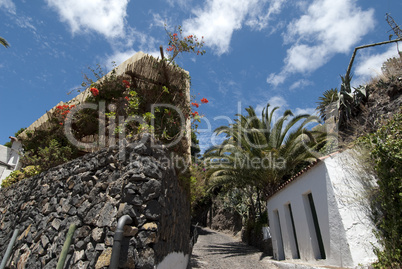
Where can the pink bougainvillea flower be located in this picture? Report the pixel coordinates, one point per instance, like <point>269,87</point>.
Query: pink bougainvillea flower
<point>204,100</point>
<point>94,91</point>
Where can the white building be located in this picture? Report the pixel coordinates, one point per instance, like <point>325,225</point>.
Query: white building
<point>322,215</point>
<point>9,159</point>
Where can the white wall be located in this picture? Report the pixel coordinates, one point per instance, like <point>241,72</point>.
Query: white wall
<point>4,156</point>
<point>11,156</point>
<point>345,227</point>
<point>4,153</point>
<point>351,184</point>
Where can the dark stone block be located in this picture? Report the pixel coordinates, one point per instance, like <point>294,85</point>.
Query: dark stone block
<point>151,189</point>
<point>150,168</point>
<point>80,245</point>
<point>152,210</point>
<point>93,214</point>
<point>49,265</point>
<point>146,259</point>
<point>134,213</point>
<point>83,231</point>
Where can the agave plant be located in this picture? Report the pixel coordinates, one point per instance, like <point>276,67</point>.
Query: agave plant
<point>350,103</point>
<point>345,103</point>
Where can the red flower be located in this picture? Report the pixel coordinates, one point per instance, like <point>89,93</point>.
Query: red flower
<point>204,100</point>
<point>126,83</point>
<point>170,48</point>
<point>94,91</point>
<point>195,104</point>
<point>195,113</point>
<point>127,98</point>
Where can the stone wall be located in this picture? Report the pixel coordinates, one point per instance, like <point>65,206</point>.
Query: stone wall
<point>93,192</point>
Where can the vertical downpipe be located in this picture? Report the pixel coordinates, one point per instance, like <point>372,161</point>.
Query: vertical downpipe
<point>118,237</point>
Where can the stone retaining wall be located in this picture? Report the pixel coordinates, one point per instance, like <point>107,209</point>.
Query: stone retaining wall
<point>93,192</point>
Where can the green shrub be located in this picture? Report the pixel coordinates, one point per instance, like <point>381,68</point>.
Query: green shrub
<point>49,156</point>
<point>386,151</point>
<point>19,175</point>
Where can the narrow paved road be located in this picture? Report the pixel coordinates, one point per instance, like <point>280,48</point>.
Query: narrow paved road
<point>215,250</point>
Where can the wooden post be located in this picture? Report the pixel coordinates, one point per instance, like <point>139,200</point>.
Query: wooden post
<point>347,78</point>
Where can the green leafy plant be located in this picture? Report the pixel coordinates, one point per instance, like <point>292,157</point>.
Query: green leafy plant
<point>328,103</point>
<point>350,103</point>
<point>128,100</point>
<point>258,153</point>
<point>179,44</point>
<point>48,156</point>
<point>392,67</point>
<point>385,146</point>
<point>387,153</point>
<point>19,175</point>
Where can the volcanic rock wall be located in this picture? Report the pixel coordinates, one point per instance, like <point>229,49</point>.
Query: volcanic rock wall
<point>93,192</point>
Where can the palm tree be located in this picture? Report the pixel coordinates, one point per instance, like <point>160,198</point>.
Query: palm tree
<point>259,154</point>
<point>4,42</point>
<point>328,103</point>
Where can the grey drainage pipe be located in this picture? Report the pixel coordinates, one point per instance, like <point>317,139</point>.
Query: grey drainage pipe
<point>118,236</point>
<point>9,248</point>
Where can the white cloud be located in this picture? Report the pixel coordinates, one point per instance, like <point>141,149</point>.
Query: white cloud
<point>259,18</point>
<point>105,17</point>
<point>300,84</point>
<point>327,28</point>
<point>369,65</point>
<point>9,5</point>
<point>180,3</point>
<point>118,57</point>
<point>275,101</point>
<point>25,22</point>
<point>102,16</point>
<point>159,21</point>
<point>21,20</point>
<point>209,139</point>
<point>276,79</point>
<point>218,19</point>
<point>309,110</point>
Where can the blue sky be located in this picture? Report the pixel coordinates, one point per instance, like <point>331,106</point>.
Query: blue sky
<point>283,52</point>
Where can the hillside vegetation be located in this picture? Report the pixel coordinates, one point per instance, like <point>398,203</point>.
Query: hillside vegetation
<point>232,185</point>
